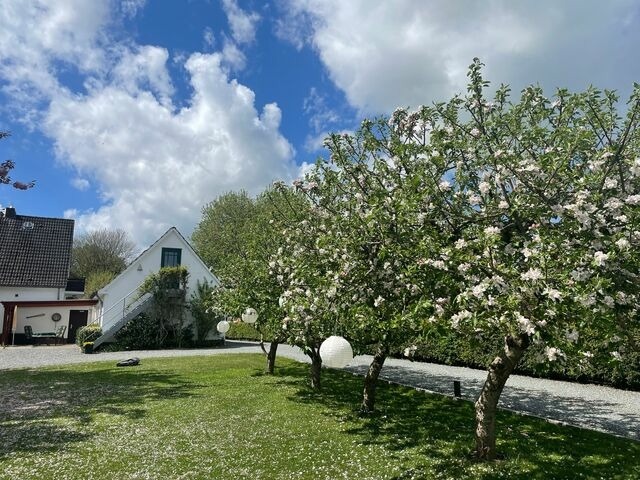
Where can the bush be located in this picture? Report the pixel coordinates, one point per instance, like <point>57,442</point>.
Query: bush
<point>450,348</point>
<point>145,333</point>
<point>141,333</point>
<point>242,331</point>
<point>88,333</point>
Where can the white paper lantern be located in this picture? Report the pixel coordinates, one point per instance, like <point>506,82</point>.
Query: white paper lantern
<point>223,326</point>
<point>336,352</point>
<point>250,316</point>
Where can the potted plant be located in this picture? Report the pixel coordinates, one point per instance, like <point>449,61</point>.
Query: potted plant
<point>87,347</point>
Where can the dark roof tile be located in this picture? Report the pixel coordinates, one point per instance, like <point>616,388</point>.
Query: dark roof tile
<point>35,251</point>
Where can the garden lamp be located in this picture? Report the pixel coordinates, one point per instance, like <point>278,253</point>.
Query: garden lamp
<point>223,326</point>
<point>336,352</point>
<point>250,316</point>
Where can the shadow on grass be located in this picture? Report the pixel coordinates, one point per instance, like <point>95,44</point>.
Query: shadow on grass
<point>575,410</point>
<point>440,430</point>
<point>40,409</point>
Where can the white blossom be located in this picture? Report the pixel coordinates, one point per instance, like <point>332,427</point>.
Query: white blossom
<point>623,244</point>
<point>445,185</point>
<point>532,274</point>
<point>484,187</point>
<point>492,231</point>
<point>526,326</point>
<point>600,258</point>
<point>553,353</point>
<point>572,336</point>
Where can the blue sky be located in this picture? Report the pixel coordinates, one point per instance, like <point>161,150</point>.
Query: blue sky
<point>134,114</point>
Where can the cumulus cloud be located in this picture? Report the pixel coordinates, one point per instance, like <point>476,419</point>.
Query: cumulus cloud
<point>81,184</point>
<point>410,52</point>
<point>243,24</point>
<point>40,37</point>
<point>157,167</point>
<point>154,164</point>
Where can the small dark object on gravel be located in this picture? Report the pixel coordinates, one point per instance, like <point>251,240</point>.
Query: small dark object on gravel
<point>129,362</point>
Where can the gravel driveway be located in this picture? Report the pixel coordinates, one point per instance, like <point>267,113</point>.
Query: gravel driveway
<point>589,406</point>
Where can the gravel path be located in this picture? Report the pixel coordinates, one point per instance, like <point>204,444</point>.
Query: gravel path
<point>588,406</point>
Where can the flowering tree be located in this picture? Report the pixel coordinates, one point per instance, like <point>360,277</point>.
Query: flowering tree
<point>545,198</point>
<point>300,267</point>
<point>5,170</point>
<point>253,234</point>
<point>360,265</point>
<point>379,238</point>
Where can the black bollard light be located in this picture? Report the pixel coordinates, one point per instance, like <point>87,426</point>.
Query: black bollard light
<point>456,389</point>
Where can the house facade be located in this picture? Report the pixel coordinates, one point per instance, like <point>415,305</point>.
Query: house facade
<point>35,257</point>
<point>120,301</point>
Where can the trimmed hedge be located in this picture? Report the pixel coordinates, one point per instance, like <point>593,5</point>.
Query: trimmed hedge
<point>242,331</point>
<point>602,367</point>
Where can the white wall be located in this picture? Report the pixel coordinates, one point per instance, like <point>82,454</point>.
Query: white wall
<point>44,323</point>
<point>125,285</point>
<point>18,294</point>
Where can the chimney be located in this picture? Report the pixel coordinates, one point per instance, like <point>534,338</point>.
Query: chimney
<point>10,212</point>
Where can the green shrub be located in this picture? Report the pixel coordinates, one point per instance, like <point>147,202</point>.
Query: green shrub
<point>88,333</point>
<point>242,331</point>
<point>449,348</point>
<point>145,332</point>
<point>141,333</point>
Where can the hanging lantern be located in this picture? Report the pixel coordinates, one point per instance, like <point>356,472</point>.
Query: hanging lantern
<point>223,326</point>
<point>336,352</point>
<point>250,316</point>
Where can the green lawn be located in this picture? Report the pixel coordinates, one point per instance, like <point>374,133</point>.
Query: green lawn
<point>219,418</point>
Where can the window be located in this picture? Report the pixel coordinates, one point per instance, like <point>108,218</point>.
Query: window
<point>171,257</point>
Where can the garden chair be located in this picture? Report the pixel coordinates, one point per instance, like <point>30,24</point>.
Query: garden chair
<point>28,333</point>
<point>60,334</point>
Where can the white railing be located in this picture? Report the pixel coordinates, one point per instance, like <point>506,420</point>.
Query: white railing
<point>120,309</point>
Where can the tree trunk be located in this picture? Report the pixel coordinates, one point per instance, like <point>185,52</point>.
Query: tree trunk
<point>371,379</point>
<point>271,357</point>
<point>316,366</point>
<point>487,403</point>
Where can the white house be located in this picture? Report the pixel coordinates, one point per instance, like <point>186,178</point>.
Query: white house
<point>120,300</point>
<point>35,256</point>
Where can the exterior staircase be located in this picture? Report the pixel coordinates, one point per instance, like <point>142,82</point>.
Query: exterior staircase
<point>129,313</point>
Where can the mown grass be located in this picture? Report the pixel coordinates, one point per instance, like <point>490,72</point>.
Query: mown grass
<point>219,417</point>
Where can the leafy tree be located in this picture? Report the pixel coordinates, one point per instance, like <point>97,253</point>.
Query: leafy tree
<point>99,256</point>
<point>525,219</point>
<point>221,236</point>
<point>368,236</point>
<point>242,248</point>
<point>5,170</point>
<point>204,320</point>
<point>95,281</point>
<point>543,201</point>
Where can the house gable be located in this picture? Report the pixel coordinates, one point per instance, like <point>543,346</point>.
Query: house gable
<point>122,290</point>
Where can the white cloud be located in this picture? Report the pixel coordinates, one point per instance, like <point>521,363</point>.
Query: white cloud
<point>233,56</point>
<point>158,167</point>
<point>409,52</point>
<point>153,163</point>
<point>142,71</point>
<point>81,184</point>
<point>36,34</point>
<point>70,213</point>
<point>320,114</point>
<point>209,37</point>
<point>131,7</point>
<point>243,24</point>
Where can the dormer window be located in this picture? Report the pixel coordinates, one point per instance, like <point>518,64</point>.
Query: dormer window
<point>171,257</point>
